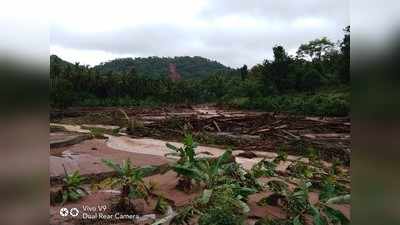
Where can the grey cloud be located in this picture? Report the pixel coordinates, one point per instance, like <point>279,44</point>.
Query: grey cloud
<point>230,46</point>
<point>282,9</point>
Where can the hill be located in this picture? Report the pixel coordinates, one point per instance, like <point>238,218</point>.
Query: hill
<point>56,61</point>
<point>156,67</point>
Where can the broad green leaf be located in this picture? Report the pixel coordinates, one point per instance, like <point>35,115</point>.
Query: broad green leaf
<point>147,170</point>
<point>317,219</point>
<point>172,147</point>
<point>224,158</point>
<point>74,195</point>
<point>205,197</point>
<point>113,166</point>
<point>64,198</point>
<point>296,221</point>
<point>188,172</point>
<point>278,186</point>
<point>344,199</point>
<point>335,216</point>
<point>244,206</point>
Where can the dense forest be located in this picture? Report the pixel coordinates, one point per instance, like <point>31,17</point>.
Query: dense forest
<point>156,67</point>
<point>315,81</point>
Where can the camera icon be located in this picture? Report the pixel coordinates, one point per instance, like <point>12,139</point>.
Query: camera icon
<point>64,212</point>
<point>74,212</point>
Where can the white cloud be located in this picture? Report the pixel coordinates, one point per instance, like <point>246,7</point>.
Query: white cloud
<point>86,57</point>
<point>102,16</point>
<point>234,32</point>
<point>309,23</point>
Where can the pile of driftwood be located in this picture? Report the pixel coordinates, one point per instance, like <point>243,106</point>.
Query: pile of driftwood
<point>263,132</point>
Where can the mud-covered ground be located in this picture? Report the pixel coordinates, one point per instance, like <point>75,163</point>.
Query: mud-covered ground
<point>81,137</point>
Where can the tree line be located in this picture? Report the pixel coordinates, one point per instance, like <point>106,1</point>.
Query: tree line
<point>317,66</point>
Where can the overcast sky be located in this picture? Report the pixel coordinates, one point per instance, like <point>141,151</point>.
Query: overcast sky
<point>233,32</point>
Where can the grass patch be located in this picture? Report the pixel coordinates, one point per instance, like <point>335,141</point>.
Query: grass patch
<point>323,103</point>
<point>98,133</point>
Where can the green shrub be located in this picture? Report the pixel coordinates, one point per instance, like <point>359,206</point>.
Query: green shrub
<point>311,80</point>
<point>130,181</point>
<point>321,104</point>
<point>98,133</point>
<point>72,189</point>
<point>223,208</point>
<point>221,216</point>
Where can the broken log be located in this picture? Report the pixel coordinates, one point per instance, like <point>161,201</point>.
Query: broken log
<point>238,137</point>
<point>327,136</point>
<point>216,125</point>
<point>269,129</point>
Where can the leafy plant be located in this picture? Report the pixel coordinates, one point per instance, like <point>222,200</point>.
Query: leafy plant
<point>330,188</point>
<point>339,199</point>
<point>227,187</point>
<point>335,168</point>
<point>214,170</point>
<point>72,189</point>
<point>186,153</point>
<point>220,205</point>
<point>297,206</point>
<point>130,180</point>
<point>187,165</point>
<point>221,216</point>
<point>161,205</point>
<point>282,155</point>
<point>97,133</point>
<point>312,154</point>
<point>104,184</point>
<point>297,201</point>
<point>115,131</point>
<point>326,181</point>
<point>278,186</point>
<point>242,177</point>
<point>264,168</point>
<point>300,169</point>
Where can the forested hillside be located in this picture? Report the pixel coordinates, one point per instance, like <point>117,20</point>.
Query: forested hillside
<point>314,81</point>
<point>56,63</point>
<point>156,67</point>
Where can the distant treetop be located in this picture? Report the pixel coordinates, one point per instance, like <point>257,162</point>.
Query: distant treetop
<point>159,67</point>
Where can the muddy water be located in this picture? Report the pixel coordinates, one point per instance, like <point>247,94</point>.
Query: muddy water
<point>156,147</point>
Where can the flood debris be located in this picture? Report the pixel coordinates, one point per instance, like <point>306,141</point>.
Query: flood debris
<point>244,130</point>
